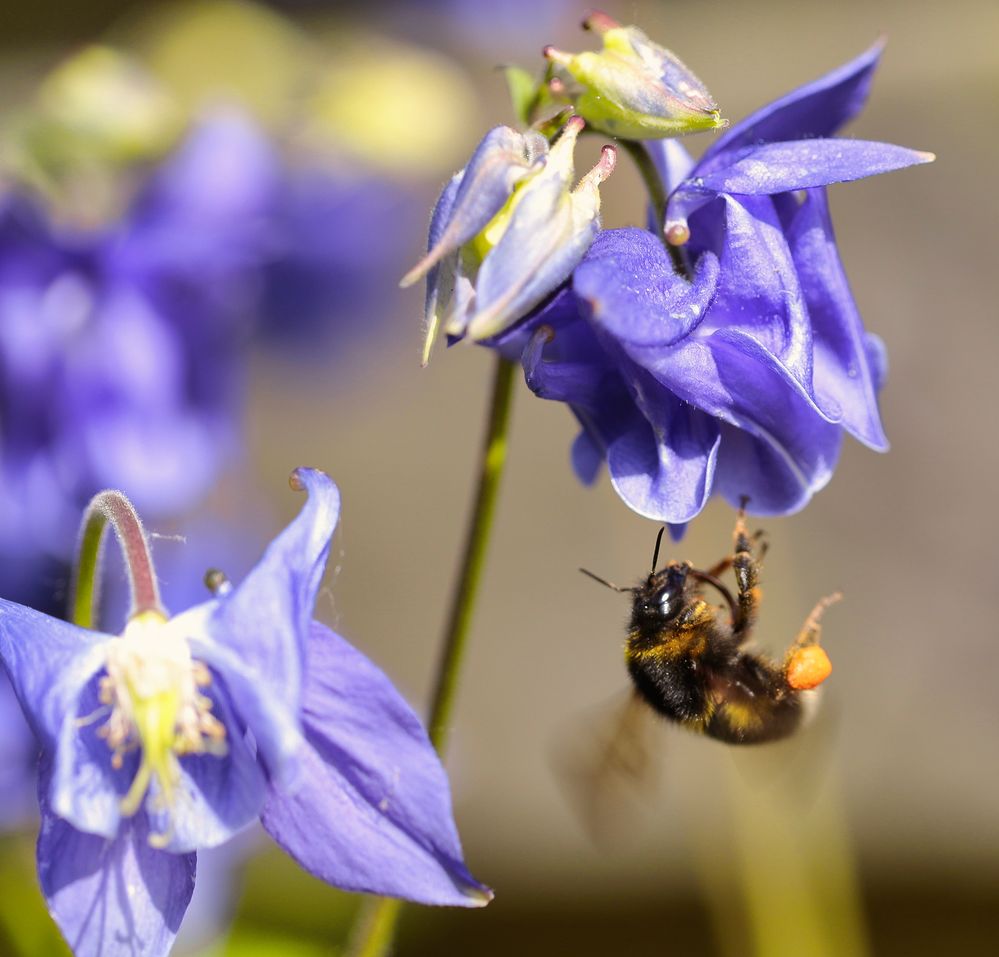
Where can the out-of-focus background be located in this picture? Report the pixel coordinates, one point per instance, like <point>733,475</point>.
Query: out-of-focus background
<point>877,830</point>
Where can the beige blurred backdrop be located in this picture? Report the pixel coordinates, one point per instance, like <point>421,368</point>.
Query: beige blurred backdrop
<point>899,775</point>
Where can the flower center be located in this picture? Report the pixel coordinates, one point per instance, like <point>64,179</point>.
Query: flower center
<point>152,687</point>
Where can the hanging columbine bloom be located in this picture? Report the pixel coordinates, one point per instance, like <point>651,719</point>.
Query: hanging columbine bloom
<point>634,88</point>
<point>181,731</point>
<point>741,378</point>
<point>507,231</point>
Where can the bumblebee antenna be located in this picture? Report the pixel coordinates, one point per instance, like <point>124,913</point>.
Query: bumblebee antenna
<point>655,554</point>
<point>603,581</point>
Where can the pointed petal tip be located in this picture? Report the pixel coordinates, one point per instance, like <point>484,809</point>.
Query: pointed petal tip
<point>418,271</point>
<point>479,895</point>
<point>876,441</point>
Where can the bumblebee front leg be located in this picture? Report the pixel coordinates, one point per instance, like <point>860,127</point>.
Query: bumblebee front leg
<point>806,664</point>
<point>747,576</point>
<point>758,540</point>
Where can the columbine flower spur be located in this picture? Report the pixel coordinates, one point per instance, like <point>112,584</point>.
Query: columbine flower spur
<point>181,731</point>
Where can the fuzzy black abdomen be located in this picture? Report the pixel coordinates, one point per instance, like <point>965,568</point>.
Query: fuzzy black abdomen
<point>673,687</point>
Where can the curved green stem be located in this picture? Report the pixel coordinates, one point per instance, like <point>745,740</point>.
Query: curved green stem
<point>376,927</point>
<point>111,507</point>
<point>650,177</point>
<point>657,195</point>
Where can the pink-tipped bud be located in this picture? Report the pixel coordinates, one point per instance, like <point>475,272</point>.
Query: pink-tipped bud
<point>599,22</point>
<point>634,88</point>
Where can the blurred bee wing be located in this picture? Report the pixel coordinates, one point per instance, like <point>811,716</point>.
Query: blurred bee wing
<point>609,765</point>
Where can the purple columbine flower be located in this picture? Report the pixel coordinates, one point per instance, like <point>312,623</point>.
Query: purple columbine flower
<point>178,733</point>
<point>741,378</point>
<point>335,236</point>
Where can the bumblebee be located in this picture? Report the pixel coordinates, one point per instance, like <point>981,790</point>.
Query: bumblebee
<point>689,659</point>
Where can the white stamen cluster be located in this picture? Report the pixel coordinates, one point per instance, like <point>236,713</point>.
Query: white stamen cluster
<point>153,691</point>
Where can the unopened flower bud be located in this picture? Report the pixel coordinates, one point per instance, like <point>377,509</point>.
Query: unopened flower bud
<point>634,88</point>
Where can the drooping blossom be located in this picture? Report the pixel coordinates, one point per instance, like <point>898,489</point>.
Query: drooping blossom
<point>177,734</point>
<point>740,377</point>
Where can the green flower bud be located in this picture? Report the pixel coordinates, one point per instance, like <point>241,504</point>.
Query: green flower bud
<point>634,88</point>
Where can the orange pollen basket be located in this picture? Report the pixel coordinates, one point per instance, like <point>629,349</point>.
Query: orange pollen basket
<point>808,667</point>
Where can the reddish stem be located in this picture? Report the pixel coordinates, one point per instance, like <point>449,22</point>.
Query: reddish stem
<point>114,508</point>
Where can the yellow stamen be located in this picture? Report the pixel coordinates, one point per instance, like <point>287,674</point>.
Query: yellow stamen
<point>151,690</point>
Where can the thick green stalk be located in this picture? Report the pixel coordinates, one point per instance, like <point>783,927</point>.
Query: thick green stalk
<point>375,930</point>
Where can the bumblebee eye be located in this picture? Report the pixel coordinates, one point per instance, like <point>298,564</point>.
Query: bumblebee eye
<point>660,604</point>
<point>666,604</point>
<point>663,604</point>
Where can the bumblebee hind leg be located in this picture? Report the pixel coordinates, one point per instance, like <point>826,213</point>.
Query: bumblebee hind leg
<point>806,664</point>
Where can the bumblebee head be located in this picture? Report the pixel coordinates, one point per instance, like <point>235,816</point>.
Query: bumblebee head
<point>663,596</point>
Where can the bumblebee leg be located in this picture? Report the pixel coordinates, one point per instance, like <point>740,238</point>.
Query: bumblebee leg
<point>758,539</point>
<point>811,630</point>
<point>806,664</point>
<point>747,577</point>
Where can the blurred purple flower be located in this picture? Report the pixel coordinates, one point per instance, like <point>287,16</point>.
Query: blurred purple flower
<point>122,350</point>
<point>501,27</point>
<point>741,379</point>
<point>335,238</point>
<point>239,708</point>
